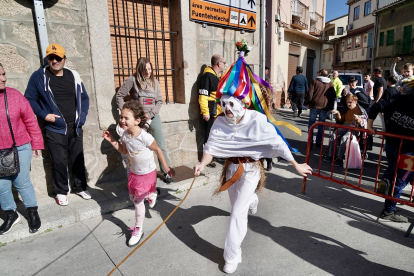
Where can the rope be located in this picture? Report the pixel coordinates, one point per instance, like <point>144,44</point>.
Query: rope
<point>153,232</point>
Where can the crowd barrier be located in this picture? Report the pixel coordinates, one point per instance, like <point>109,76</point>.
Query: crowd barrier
<point>404,162</point>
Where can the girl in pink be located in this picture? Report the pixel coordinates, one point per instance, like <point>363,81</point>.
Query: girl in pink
<point>138,144</point>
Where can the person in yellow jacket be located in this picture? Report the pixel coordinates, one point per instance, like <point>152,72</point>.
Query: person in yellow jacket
<point>207,93</point>
<point>337,84</point>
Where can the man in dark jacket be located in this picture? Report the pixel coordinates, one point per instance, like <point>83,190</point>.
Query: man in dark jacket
<point>58,96</point>
<point>297,89</point>
<point>399,119</point>
<point>321,98</point>
<point>363,99</point>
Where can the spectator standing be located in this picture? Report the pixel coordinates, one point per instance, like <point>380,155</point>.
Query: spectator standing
<point>405,78</point>
<point>297,88</point>
<point>337,84</point>
<point>369,86</point>
<point>207,94</point>
<point>380,84</point>
<point>144,88</point>
<point>58,96</point>
<point>391,88</point>
<point>397,111</point>
<point>28,138</point>
<point>267,72</point>
<point>321,98</point>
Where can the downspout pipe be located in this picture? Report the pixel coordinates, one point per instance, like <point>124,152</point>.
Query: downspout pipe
<point>41,26</point>
<point>262,39</point>
<point>374,42</point>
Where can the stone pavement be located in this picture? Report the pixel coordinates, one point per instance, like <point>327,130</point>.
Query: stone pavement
<point>330,230</point>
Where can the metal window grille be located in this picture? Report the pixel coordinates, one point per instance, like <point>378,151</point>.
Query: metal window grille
<point>142,28</point>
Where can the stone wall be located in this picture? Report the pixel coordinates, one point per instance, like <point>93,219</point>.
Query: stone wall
<point>82,28</point>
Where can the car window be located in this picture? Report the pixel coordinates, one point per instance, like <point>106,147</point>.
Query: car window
<point>344,79</point>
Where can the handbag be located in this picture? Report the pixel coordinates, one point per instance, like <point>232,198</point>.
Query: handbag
<point>354,160</point>
<point>9,158</point>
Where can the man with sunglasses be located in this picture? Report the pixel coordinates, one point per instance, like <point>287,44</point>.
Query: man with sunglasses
<point>207,94</point>
<point>58,96</point>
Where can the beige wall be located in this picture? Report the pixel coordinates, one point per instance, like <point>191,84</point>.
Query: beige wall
<point>363,20</point>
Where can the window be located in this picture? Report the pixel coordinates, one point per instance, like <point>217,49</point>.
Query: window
<point>356,13</point>
<point>343,45</point>
<point>365,39</point>
<point>349,44</point>
<point>369,40</point>
<point>390,37</point>
<point>392,14</point>
<point>381,40</point>
<point>323,60</point>
<point>329,57</point>
<point>340,31</point>
<point>367,8</point>
<point>357,42</point>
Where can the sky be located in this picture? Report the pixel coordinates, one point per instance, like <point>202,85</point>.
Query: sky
<point>335,8</point>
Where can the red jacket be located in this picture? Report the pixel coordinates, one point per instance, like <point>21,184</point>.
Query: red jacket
<point>23,121</point>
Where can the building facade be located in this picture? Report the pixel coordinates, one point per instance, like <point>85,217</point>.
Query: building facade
<point>355,48</point>
<point>103,39</point>
<point>334,30</point>
<point>294,38</point>
<point>395,34</point>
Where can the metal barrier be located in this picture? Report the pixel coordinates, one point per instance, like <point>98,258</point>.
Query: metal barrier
<point>404,162</point>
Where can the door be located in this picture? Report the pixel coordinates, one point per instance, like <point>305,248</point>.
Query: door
<point>292,64</point>
<point>407,39</point>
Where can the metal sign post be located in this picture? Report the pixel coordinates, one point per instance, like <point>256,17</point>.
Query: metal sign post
<point>41,26</point>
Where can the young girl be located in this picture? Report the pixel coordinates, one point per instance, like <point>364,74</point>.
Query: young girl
<point>138,144</point>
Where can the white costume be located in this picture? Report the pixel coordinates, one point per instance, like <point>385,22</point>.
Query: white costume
<point>253,137</point>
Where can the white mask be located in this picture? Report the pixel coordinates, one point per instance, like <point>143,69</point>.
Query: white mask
<point>234,105</point>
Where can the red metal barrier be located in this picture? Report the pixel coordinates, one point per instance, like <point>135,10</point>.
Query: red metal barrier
<point>403,162</point>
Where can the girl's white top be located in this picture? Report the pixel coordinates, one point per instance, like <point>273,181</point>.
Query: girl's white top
<point>140,157</point>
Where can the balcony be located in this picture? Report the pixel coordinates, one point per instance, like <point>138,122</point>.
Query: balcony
<point>405,46</point>
<point>316,24</point>
<point>327,47</point>
<point>300,15</point>
<point>360,54</point>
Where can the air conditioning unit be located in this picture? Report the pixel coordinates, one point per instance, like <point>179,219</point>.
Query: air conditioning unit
<point>349,27</point>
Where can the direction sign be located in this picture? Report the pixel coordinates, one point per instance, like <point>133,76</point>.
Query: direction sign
<point>239,14</point>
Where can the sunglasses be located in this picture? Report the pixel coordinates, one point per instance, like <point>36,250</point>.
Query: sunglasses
<point>57,58</point>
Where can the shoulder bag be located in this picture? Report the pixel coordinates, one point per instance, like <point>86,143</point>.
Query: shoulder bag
<point>9,158</point>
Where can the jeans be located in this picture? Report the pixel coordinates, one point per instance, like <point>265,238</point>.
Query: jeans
<point>159,138</point>
<point>297,102</point>
<point>323,114</point>
<point>21,181</point>
<point>402,176</point>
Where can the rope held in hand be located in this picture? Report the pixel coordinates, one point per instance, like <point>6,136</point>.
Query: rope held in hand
<point>153,232</point>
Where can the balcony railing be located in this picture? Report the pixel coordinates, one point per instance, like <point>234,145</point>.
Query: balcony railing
<point>405,46</point>
<point>300,15</point>
<point>316,24</point>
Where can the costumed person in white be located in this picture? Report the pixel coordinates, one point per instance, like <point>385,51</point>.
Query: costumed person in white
<point>138,145</point>
<point>243,136</point>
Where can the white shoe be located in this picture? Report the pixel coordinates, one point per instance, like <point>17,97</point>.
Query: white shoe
<point>84,194</point>
<point>62,200</point>
<point>152,200</point>
<point>135,236</point>
<point>229,268</point>
<point>253,207</point>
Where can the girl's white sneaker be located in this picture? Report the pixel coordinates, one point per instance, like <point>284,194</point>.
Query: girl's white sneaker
<point>136,235</point>
<point>152,200</point>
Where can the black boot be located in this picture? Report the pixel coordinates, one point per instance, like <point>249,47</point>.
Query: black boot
<point>34,219</point>
<point>12,218</point>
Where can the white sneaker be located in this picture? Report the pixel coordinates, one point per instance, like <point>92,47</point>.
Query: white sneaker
<point>253,207</point>
<point>62,200</point>
<point>229,268</point>
<point>84,194</point>
<point>136,235</point>
<point>152,200</point>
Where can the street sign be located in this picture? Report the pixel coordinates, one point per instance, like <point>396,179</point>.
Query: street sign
<point>240,14</point>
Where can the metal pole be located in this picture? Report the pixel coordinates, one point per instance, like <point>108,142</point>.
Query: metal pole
<point>262,39</point>
<point>41,26</point>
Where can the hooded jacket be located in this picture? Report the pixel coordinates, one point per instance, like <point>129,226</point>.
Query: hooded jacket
<point>42,101</point>
<point>207,92</point>
<point>321,94</point>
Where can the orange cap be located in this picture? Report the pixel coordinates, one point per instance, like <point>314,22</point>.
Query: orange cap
<point>55,49</point>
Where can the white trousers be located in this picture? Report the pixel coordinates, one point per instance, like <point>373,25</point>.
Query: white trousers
<point>242,196</point>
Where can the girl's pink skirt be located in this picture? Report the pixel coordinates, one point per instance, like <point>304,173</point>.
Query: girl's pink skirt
<point>142,186</point>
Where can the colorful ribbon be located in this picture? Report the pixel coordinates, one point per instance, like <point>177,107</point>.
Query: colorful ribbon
<point>240,82</point>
